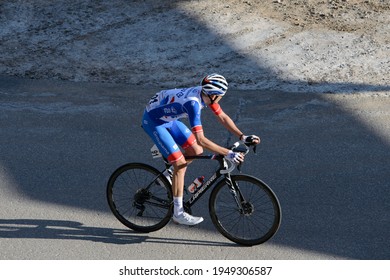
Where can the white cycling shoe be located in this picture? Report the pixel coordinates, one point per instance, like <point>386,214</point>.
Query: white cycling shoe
<point>187,219</point>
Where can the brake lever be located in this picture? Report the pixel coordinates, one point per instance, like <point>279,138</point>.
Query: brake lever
<point>254,147</point>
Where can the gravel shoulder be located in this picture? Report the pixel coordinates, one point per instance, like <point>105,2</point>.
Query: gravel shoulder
<point>296,46</point>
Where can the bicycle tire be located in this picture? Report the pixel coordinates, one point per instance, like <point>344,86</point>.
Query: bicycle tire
<point>139,198</point>
<point>261,219</point>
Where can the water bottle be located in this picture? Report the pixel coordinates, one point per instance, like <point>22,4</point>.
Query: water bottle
<point>197,183</point>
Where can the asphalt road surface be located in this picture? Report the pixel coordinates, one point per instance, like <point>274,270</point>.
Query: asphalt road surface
<point>327,157</point>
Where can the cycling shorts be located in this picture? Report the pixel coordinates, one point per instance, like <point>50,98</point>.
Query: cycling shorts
<point>169,136</point>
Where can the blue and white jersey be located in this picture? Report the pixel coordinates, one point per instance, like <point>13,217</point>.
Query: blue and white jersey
<point>169,105</point>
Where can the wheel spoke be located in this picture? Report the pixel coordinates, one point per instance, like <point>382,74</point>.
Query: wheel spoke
<point>253,222</point>
<point>138,198</point>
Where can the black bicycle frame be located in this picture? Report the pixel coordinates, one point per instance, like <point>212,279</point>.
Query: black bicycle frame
<point>206,185</point>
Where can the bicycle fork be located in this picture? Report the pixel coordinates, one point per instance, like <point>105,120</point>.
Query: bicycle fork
<point>244,207</point>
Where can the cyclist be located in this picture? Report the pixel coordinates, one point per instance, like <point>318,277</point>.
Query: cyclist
<point>161,122</point>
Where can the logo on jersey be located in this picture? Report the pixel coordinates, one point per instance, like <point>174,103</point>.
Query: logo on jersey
<point>170,110</point>
<point>193,104</point>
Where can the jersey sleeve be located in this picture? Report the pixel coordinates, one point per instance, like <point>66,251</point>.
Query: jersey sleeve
<point>193,110</point>
<point>216,108</point>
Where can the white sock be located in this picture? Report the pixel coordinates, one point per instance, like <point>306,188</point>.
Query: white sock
<point>178,208</point>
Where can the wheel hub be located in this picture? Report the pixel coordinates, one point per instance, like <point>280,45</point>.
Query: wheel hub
<point>140,197</point>
<point>247,208</point>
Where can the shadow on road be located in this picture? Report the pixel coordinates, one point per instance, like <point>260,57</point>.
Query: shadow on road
<point>71,230</point>
<point>329,169</point>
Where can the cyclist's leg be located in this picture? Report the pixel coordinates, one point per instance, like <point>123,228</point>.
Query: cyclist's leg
<point>160,135</point>
<point>179,216</point>
<point>186,139</point>
<point>164,140</point>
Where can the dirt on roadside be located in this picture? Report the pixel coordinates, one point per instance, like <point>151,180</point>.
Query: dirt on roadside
<point>338,15</point>
<point>293,45</point>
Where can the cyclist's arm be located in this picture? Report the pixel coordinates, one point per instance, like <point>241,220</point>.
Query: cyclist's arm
<point>193,110</point>
<point>225,120</point>
<point>229,124</point>
<point>208,144</point>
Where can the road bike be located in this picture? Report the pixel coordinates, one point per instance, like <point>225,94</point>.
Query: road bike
<point>242,207</point>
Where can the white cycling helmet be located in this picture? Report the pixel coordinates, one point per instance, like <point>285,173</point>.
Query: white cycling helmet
<point>214,84</point>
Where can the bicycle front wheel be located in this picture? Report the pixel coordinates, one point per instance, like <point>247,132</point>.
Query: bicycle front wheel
<point>248,213</point>
<point>140,197</point>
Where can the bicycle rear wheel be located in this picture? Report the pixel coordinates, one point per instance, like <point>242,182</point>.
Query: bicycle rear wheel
<point>139,197</point>
<point>249,215</point>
